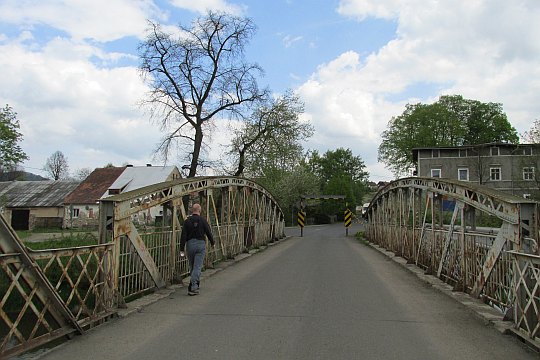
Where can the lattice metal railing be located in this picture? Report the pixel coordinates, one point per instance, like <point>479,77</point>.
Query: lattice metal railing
<point>134,278</point>
<point>527,292</point>
<point>48,294</point>
<point>432,222</point>
<point>82,277</point>
<point>27,317</point>
<point>242,215</point>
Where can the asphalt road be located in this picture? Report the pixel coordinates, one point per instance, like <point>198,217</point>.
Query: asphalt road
<point>323,296</point>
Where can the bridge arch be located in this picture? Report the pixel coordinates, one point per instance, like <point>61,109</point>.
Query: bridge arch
<point>434,223</point>
<point>241,213</point>
<point>48,294</point>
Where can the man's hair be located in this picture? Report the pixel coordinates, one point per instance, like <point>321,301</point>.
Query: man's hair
<point>196,208</point>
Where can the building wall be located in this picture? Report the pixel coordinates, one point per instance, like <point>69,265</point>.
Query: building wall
<point>46,217</point>
<point>81,216</point>
<point>479,165</point>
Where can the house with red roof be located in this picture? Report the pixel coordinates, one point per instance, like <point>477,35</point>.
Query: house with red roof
<point>81,207</point>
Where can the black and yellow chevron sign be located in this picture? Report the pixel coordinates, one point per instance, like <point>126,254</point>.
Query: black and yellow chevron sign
<point>301,218</point>
<point>348,218</point>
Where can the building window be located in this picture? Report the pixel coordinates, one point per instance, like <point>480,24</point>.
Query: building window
<point>436,173</point>
<point>494,151</point>
<point>495,174</point>
<point>435,153</point>
<point>528,173</point>
<point>75,213</point>
<point>462,152</point>
<point>463,174</point>
<point>527,151</point>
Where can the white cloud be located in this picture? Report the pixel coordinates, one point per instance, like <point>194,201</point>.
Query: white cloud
<point>68,101</point>
<point>385,9</point>
<point>479,49</point>
<point>289,40</point>
<point>100,20</point>
<point>345,112</point>
<point>64,102</point>
<point>201,6</point>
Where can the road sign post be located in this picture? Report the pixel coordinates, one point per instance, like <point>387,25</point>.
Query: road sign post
<point>301,221</point>
<point>348,221</point>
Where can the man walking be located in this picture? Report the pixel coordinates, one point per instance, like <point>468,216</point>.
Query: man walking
<point>193,231</point>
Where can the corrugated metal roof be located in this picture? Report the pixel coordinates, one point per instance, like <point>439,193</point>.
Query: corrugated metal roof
<point>36,193</point>
<point>94,186</point>
<point>140,176</point>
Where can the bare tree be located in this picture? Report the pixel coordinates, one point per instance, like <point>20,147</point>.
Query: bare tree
<point>57,166</point>
<point>533,135</point>
<point>272,134</point>
<point>82,173</point>
<point>196,75</point>
<point>533,162</point>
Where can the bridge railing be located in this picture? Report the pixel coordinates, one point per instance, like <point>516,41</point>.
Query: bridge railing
<point>527,289</point>
<point>434,223</point>
<point>48,294</point>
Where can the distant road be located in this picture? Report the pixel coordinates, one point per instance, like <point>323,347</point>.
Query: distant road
<point>323,296</point>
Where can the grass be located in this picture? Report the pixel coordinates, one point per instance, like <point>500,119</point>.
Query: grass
<point>23,234</point>
<point>70,240</point>
<point>360,236</point>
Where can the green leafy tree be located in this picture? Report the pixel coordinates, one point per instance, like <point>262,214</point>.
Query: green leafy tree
<point>10,152</point>
<point>339,173</point>
<point>196,75</point>
<point>451,121</point>
<point>288,185</point>
<point>271,137</point>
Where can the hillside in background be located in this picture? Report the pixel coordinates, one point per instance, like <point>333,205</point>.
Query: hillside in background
<point>20,176</point>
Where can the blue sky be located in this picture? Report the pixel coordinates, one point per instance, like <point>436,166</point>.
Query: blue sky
<point>69,69</point>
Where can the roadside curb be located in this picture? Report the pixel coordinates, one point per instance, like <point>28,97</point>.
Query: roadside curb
<point>139,304</point>
<point>489,315</point>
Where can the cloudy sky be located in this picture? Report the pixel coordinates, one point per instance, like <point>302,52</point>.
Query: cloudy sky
<point>69,68</point>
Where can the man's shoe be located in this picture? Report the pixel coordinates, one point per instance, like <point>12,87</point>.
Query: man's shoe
<point>193,292</point>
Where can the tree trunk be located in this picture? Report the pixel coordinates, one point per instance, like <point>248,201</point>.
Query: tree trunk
<point>241,162</point>
<point>196,151</point>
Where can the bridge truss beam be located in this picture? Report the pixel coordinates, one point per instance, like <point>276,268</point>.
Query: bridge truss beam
<point>47,294</point>
<point>242,214</point>
<point>434,223</point>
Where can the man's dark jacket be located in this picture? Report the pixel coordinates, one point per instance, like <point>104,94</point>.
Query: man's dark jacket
<point>195,227</point>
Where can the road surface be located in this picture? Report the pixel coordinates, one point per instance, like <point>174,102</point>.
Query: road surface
<point>323,296</point>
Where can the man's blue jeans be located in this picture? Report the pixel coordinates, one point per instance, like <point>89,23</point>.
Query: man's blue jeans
<point>196,250</point>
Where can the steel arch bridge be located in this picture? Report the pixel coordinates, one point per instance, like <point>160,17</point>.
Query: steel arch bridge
<point>479,240</point>
<point>48,294</point>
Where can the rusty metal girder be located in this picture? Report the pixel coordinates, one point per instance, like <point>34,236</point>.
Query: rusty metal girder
<point>501,205</point>
<point>124,227</point>
<point>506,233</point>
<point>457,209</point>
<point>526,287</point>
<point>27,270</point>
<point>134,201</point>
